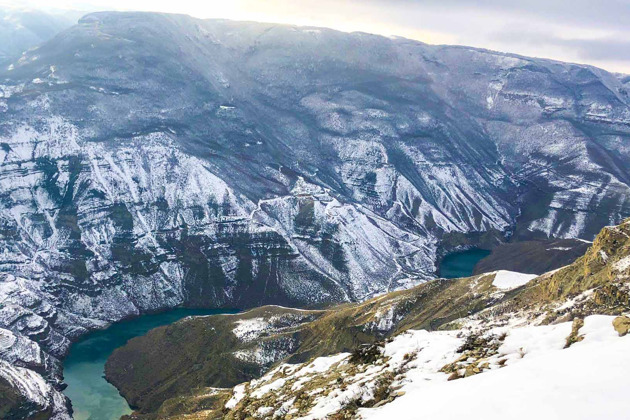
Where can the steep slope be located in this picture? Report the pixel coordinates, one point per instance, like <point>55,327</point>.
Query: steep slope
<point>151,160</point>
<point>536,257</point>
<point>486,323</point>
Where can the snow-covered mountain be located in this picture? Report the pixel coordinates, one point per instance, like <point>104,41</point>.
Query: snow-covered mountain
<point>154,160</point>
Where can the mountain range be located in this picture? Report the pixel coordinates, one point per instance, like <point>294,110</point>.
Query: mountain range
<point>151,161</point>
<point>23,29</point>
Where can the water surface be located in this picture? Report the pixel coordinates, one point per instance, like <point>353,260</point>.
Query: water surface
<point>461,264</point>
<point>92,396</point>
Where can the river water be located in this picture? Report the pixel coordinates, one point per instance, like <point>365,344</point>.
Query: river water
<point>92,396</point>
<point>461,264</point>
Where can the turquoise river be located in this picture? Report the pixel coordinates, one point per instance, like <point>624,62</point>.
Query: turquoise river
<point>92,396</point>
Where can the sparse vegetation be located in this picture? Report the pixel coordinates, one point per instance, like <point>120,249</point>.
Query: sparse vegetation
<point>475,351</point>
<point>367,353</point>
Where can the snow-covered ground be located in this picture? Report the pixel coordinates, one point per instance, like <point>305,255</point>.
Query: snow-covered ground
<point>507,280</point>
<point>529,374</point>
<point>542,380</point>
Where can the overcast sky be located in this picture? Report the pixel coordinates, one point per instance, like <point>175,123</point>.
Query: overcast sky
<point>585,31</point>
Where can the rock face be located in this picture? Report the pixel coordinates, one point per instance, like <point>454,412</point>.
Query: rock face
<point>155,160</point>
<point>622,325</point>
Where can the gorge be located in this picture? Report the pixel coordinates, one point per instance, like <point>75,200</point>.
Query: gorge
<point>154,161</point>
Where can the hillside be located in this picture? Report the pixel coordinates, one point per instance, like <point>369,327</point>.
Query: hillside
<point>535,257</point>
<point>151,161</point>
<point>352,357</point>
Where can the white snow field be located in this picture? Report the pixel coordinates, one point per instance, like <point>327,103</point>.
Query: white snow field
<point>507,280</point>
<point>541,381</point>
<point>531,375</point>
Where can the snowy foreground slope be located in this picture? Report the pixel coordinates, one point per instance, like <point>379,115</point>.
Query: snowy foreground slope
<point>151,161</point>
<point>541,379</point>
<point>530,375</point>
<point>550,347</point>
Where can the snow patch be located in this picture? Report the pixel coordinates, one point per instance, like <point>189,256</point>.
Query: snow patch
<point>507,280</point>
<point>586,381</point>
<point>250,329</point>
<point>238,394</point>
<point>623,264</point>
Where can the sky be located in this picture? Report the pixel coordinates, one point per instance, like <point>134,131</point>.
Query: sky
<point>593,32</point>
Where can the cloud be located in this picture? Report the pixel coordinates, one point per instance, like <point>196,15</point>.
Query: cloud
<point>593,32</point>
<point>609,13</point>
<point>605,48</point>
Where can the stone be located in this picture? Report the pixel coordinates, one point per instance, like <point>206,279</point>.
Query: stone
<point>621,325</point>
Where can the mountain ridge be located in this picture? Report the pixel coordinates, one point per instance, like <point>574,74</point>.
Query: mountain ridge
<point>152,161</point>
<point>26,28</point>
<point>95,16</point>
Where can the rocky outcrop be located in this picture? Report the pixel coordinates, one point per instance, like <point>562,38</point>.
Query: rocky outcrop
<point>622,325</point>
